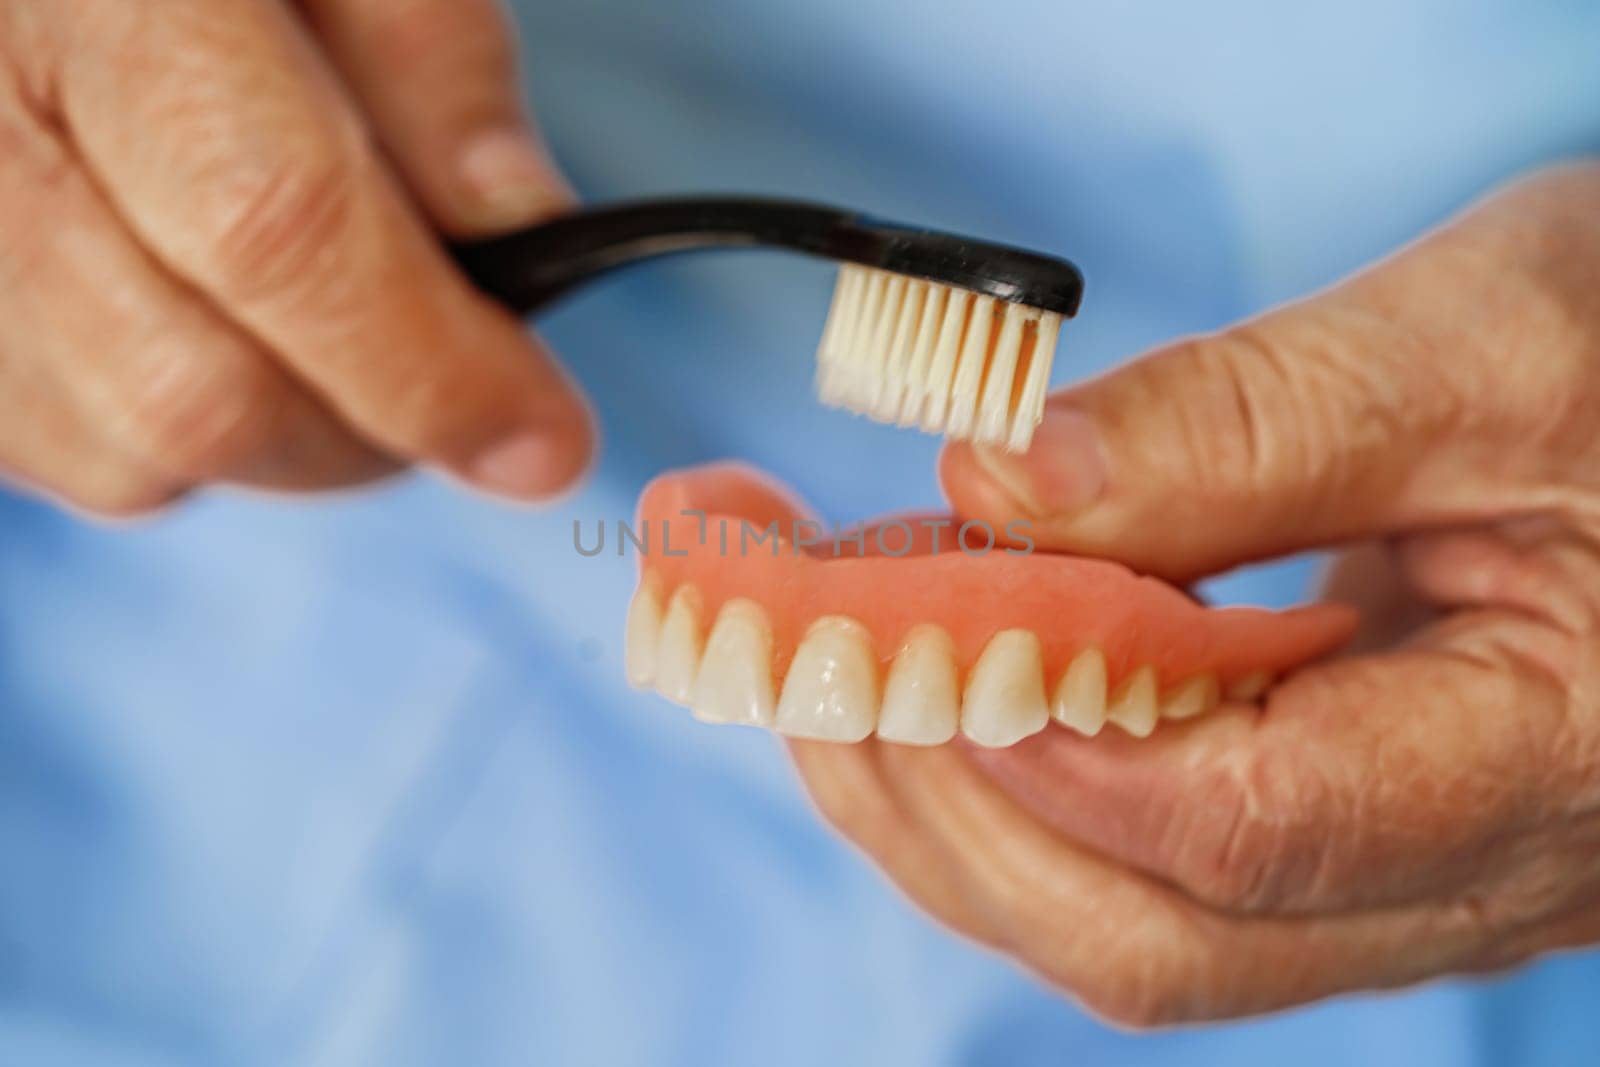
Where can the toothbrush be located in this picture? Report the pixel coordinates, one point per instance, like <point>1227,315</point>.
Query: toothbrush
<point>949,334</point>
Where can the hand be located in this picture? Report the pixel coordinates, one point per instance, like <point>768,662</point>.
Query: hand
<point>1427,805</point>
<point>219,260</point>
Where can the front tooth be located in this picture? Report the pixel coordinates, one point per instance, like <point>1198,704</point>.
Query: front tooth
<point>831,690</point>
<point>1250,686</point>
<point>678,654</point>
<point>1188,699</point>
<point>922,698</point>
<point>1133,706</point>
<point>1005,699</point>
<point>1081,697</point>
<point>642,633</point>
<point>734,684</point>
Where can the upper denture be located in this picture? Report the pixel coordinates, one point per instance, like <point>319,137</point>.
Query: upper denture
<point>1029,635</point>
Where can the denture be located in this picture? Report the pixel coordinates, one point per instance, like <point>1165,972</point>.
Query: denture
<point>748,614</point>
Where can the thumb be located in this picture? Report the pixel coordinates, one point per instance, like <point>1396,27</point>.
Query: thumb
<point>1431,390</point>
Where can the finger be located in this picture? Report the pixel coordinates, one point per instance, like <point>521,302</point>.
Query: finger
<point>235,159</point>
<point>850,790</point>
<point>49,447</point>
<point>1537,567</point>
<point>1382,405</point>
<point>138,356</point>
<point>1364,782</point>
<point>440,81</point>
<point>1138,952</point>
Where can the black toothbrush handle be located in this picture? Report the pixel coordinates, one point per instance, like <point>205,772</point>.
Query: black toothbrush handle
<point>530,269</point>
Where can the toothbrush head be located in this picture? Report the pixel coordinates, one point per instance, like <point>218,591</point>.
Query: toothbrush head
<point>946,334</point>
<point>949,361</point>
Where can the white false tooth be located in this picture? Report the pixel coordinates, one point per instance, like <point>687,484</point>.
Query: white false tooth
<point>1134,705</point>
<point>734,683</point>
<point>1004,700</point>
<point>922,697</point>
<point>1080,701</point>
<point>642,633</point>
<point>831,690</point>
<point>1194,697</point>
<point>678,653</point>
<point>1250,687</point>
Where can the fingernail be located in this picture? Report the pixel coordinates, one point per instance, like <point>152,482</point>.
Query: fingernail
<point>511,181</point>
<point>1062,473</point>
<point>531,465</point>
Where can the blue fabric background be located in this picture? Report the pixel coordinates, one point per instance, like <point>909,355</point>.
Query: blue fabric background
<point>359,783</point>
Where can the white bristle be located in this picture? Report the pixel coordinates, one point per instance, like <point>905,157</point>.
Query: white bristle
<point>886,405</point>
<point>1030,402</point>
<point>969,372</point>
<point>923,347</point>
<point>833,361</point>
<point>917,353</point>
<point>878,338</point>
<point>946,347</point>
<point>994,407</point>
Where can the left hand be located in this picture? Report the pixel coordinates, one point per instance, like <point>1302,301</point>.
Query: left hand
<point>1425,806</point>
<point>221,259</point>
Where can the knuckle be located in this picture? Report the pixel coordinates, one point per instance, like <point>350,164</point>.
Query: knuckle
<point>1298,403</point>
<point>203,425</point>
<point>1250,387</point>
<point>1233,458</point>
<point>282,232</point>
<point>1238,850</point>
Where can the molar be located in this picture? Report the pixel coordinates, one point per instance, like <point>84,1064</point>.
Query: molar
<point>922,697</point>
<point>678,652</point>
<point>1080,701</point>
<point>642,633</point>
<point>1194,697</point>
<point>1133,707</point>
<point>734,683</point>
<point>831,690</point>
<point>1005,699</point>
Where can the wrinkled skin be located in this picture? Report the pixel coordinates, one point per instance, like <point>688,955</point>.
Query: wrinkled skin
<point>221,266</point>
<point>1427,804</point>
<point>221,260</point>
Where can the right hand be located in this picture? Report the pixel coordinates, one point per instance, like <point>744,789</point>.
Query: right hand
<point>1426,805</point>
<point>219,258</point>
